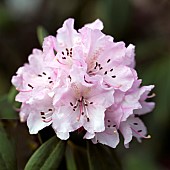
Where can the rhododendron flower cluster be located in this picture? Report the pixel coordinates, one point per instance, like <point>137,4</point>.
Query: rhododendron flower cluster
<point>83,80</point>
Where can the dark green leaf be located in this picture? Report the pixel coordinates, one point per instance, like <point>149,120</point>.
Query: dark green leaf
<point>101,158</point>
<point>41,33</point>
<point>48,156</point>
<point>11,95</point>
<point>80,156</point>
<point>7,152</point>
<point>7,109</point>
<point>115,14</point>
<point>70,158</point>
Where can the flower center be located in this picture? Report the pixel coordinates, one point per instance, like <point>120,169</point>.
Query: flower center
<point>81,105</point>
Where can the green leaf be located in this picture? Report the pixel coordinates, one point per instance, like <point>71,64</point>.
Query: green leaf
<point>115,14</point>
<point>70,158</point>
<point>7,152</point>
<point>11,95</point>
<point>47,156</point>
<point>41,33</point>
<point>101,158</point>
<point>7,110</point>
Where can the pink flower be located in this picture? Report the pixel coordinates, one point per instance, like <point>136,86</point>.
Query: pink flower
<point>121,116</point>
<point>83,79</point>
<point>80,106</point>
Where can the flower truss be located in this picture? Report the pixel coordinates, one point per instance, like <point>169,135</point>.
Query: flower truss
<point>83,79</point>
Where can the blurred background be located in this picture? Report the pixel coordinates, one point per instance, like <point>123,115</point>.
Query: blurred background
<point>144,23</point>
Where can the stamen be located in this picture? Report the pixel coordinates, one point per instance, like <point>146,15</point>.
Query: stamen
<point>114,76</point>
<point>152,95</point>
<point>44,73</point>
<point>111,69</point>
<point>47,121</point>
<point>60,62</point>
<point>23,90</point>
<point>115,131</point>
<point>145,137</point>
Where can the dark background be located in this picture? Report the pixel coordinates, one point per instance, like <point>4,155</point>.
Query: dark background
<point>144,23</point>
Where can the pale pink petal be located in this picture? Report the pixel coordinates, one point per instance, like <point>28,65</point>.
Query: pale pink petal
<point>62,136</point>
<point>138,128</point>
<point>109,138</point>
<point>35,123</point>
<point>97,24</point>
<point>126,132</point>
<point>95,120</point>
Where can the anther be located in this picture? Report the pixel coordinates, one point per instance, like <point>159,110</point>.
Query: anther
<point>71,104</point>
<point>105,72</point>
<point>111,69</point>
<point>44,73</point>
